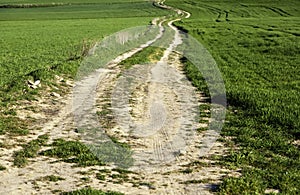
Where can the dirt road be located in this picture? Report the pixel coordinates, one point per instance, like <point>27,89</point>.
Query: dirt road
<point>155,111</point>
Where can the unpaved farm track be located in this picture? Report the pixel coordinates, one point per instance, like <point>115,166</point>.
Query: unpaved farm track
<point>159,123</point>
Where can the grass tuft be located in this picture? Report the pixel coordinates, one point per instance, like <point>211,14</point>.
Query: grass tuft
<point>29,150</point>
<point>72,152</point>
<point>90,191</point>
<point>2,168</point>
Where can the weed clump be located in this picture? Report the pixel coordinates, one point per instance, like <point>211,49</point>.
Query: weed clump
<point>72,152</point>
<point>30,150</point>
<point>2,168</point>
<point>91,191</point>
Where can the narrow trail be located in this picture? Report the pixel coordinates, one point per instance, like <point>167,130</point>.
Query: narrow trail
<point>162,127</point>
<point>158,119</point>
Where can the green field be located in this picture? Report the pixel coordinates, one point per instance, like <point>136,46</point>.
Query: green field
<point>40,42</point>
<point>256,45</point>
<point>77,10</point>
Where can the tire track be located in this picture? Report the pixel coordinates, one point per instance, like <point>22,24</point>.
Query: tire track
<point>163,139</point>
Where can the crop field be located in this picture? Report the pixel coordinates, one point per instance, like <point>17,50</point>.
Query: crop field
<point>76,10</point>
<point>40,42</point>
<point>256,45</point>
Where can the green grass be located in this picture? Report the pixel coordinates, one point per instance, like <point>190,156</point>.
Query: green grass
<point>46,50</point>
<point>90,155</point>
<point>256,46</point>
<point>120,177</point>
<point>16,2</point>
<point>2,168</point>
<point>53,178</point>
<point>196,181</point>
<point>146,56</point>
<point>100,176</point>
<point>187,171</point>
<point>30,150</point>
<point>86,10</point>
<point>12,125</point>
<point>40,42</point>
<point>195,76</point>
<point>72,152</point>
<point>90,191</point>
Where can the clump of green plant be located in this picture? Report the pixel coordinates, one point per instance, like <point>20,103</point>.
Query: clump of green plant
<point>100,176</point>
<point>29,150</point>
<point>113,151</point>
<point>2,168</point>
<point>72,152</point>
<point>90,191</point>
<point>104,171</point>
<point>196,181</point>
<point>119,178</point>
<point>90,155</point>
<point>12,125</point>
<point>187,171</point>
<point>149,185</point>
<point>116,141</point>
<point>105,116</point>
<point>53,178</point>
<point>197,164</point>
<point>122,171</point>
<point>147,55</point>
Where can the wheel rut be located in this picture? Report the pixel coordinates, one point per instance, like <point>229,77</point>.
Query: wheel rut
<point>153,108</point>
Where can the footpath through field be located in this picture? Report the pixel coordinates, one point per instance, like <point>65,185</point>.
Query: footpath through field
<point>156,114</point>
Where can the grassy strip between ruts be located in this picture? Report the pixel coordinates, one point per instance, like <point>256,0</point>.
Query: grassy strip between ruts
<point>147,55</point>
<point>255,45</point>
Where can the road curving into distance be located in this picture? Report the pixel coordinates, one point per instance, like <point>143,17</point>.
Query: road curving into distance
<point>151,107</point>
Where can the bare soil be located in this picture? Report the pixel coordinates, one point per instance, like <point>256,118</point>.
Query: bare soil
<point>159,124</point>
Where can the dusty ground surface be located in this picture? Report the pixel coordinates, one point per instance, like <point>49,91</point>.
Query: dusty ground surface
<point>159,123</point>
